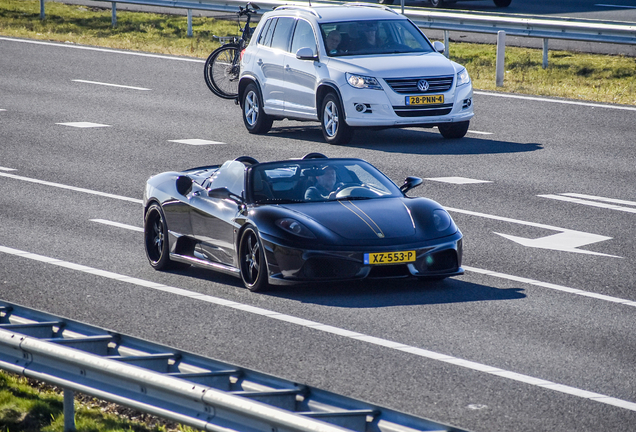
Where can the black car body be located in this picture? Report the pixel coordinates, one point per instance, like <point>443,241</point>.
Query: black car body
<point>252,220</point>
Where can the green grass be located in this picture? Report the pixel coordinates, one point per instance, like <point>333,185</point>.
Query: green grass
<point>30,406</point>
<point>601,78</point>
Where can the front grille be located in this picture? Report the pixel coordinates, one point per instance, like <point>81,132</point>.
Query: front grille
<point>409,85</point>
<point>426,111</point>
<point>445,260</point>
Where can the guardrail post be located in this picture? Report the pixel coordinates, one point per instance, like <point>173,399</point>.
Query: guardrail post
<point>501,56</point>
<point>446,42</point>
<point>189,22</point>
<point>545,53</point>
<point>69,410</point>
<point>114,18</point>
<point>41,9</point>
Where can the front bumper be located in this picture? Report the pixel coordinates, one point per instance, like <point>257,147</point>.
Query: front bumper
<point>290,265</point>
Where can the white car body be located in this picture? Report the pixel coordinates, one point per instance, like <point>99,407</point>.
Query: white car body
<point>293,84</point>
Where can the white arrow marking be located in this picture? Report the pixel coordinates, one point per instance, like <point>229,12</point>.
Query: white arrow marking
<point>566,241</point>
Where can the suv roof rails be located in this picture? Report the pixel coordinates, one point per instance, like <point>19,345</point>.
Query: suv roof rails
<point>303,8</point>
<point>373,5</point>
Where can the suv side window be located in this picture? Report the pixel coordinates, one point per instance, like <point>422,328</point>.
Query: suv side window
<point>282,33</point>
<point>303,37</point>
<point>265,37</point>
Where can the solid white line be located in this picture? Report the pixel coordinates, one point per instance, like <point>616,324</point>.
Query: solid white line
<point>73,188</point>
<point>567,102</point>
<point>491,370</point>
<point>110,85</point>
<point>7,169</point>
<point>589,203</point>
<point>480,133</point>
<point>609,200</point>
<point>89,48</point>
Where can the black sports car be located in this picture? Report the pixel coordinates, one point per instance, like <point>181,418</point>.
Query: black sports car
<point>299,220</point>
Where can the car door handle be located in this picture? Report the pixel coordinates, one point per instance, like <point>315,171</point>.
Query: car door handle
<point>260,62</point>
<point>287,68</point>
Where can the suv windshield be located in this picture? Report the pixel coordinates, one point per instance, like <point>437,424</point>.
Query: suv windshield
<point>373,37</point>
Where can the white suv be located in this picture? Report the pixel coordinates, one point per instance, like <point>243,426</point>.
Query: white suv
<point>350,66</point>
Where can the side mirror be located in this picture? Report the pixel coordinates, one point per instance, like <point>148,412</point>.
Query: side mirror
<point>439,47</point>
<point>410,183</point>
<point>306,54</point>
<point>224,193</point>
<point>184,185</point>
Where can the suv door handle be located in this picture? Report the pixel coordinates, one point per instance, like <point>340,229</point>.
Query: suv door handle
<point>260,62</point>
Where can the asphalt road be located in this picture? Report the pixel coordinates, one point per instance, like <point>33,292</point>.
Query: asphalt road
<point>537,335</point>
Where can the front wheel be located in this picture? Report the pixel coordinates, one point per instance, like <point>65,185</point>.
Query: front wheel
<point>334,128</point>
<point>252,261</point>
<point>502,3</point>
<point>454,130</point>
<point>222,69</point>
<point>255,119</point>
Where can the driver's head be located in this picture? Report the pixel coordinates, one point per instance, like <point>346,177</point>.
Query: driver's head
<point>328,177</point>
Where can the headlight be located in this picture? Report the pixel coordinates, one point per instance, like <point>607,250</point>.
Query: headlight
<point>462,77</point>
<point>363,82</point>
<point>295,227</point>
<point>441,219</point>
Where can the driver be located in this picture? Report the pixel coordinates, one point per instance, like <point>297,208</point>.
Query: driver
<point>325,187</point>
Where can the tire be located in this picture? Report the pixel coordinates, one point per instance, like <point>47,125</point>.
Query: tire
<point>334,128</point>
<point>502,3</point>
<point>222,70</point>
<point>255,119</point>
<point>437,3</point>
<point>252,261</point>
<point>156,240</point>
<point>454,130</point>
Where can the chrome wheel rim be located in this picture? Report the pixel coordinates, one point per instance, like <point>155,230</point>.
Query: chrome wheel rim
<point>251,108</point>
<point>330,118</point>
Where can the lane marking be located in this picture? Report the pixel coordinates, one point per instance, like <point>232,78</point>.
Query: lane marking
<point>117,224</point>
<point>605,202</point>
<point>73,188</point>
<point>475,270</point>
<point>106,50</point>
<point>83,124</point>
<point>195,141</point>
<point>457,180</point>
<point>110,85</point>
<point>7,169</point>
<point>566,102</point>
<point>480,133</point>
<point>372,340</point>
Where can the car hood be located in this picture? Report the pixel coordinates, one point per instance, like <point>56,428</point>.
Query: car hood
<point>361,219</point>
<point>395,65</point>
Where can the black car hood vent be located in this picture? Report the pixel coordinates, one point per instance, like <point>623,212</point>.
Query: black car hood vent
<point>361,219</point>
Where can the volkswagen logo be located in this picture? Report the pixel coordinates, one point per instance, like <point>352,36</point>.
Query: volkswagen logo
<point>422,85</point>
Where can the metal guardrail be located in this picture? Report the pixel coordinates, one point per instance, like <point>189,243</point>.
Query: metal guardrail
<point>180,386</point>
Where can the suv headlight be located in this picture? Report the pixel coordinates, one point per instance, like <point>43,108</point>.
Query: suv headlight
<point>362,82</point>
<point>462,77</point>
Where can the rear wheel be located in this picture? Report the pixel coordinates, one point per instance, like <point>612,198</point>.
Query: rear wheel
<point>156,240</point>
<point>454,130</point>
<point>252,261</point>
<point>222,70</point>
<point>334,128</point>
<point>255,119</point>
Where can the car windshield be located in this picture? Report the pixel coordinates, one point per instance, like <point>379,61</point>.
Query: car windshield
<point>298,181</point>
<point>373,37</point>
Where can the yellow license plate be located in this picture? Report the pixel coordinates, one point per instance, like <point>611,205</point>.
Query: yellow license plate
<point>425,100</point>
<point>380,258</point>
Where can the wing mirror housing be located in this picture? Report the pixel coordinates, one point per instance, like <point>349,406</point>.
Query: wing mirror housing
<point>410,183</point>
<point>184,185</point>
<point>306,54</point>
<point>224,193</point>
<point>439,47</point>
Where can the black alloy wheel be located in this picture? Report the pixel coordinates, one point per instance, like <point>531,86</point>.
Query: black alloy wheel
<point>156,240</point>
<point>252,261</point>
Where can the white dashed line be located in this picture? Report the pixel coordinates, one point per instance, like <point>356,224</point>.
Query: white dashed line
<point>457,180</point>
<point>83,124</point>
<point>110,85</point>
<point>196,142</point>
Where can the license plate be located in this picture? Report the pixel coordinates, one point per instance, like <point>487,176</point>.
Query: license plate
<point>380,258</point>
<point>425,100</point>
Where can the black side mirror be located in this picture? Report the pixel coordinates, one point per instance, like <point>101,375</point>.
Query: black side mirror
<point>410,183</point>
<point>224,193</point>
<point>184,185</point>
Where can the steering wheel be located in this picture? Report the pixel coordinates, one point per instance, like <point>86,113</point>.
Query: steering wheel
<point>356,191</point>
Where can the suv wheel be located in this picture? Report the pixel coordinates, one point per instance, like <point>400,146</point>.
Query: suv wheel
<point>334,128</point>
<point>255,119</point>
<point>454,130</point>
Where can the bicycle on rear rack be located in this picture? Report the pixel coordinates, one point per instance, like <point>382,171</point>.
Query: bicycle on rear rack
<point>223,66</point>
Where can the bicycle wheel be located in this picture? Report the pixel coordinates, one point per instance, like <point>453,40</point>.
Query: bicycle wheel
<point>222,71</point>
